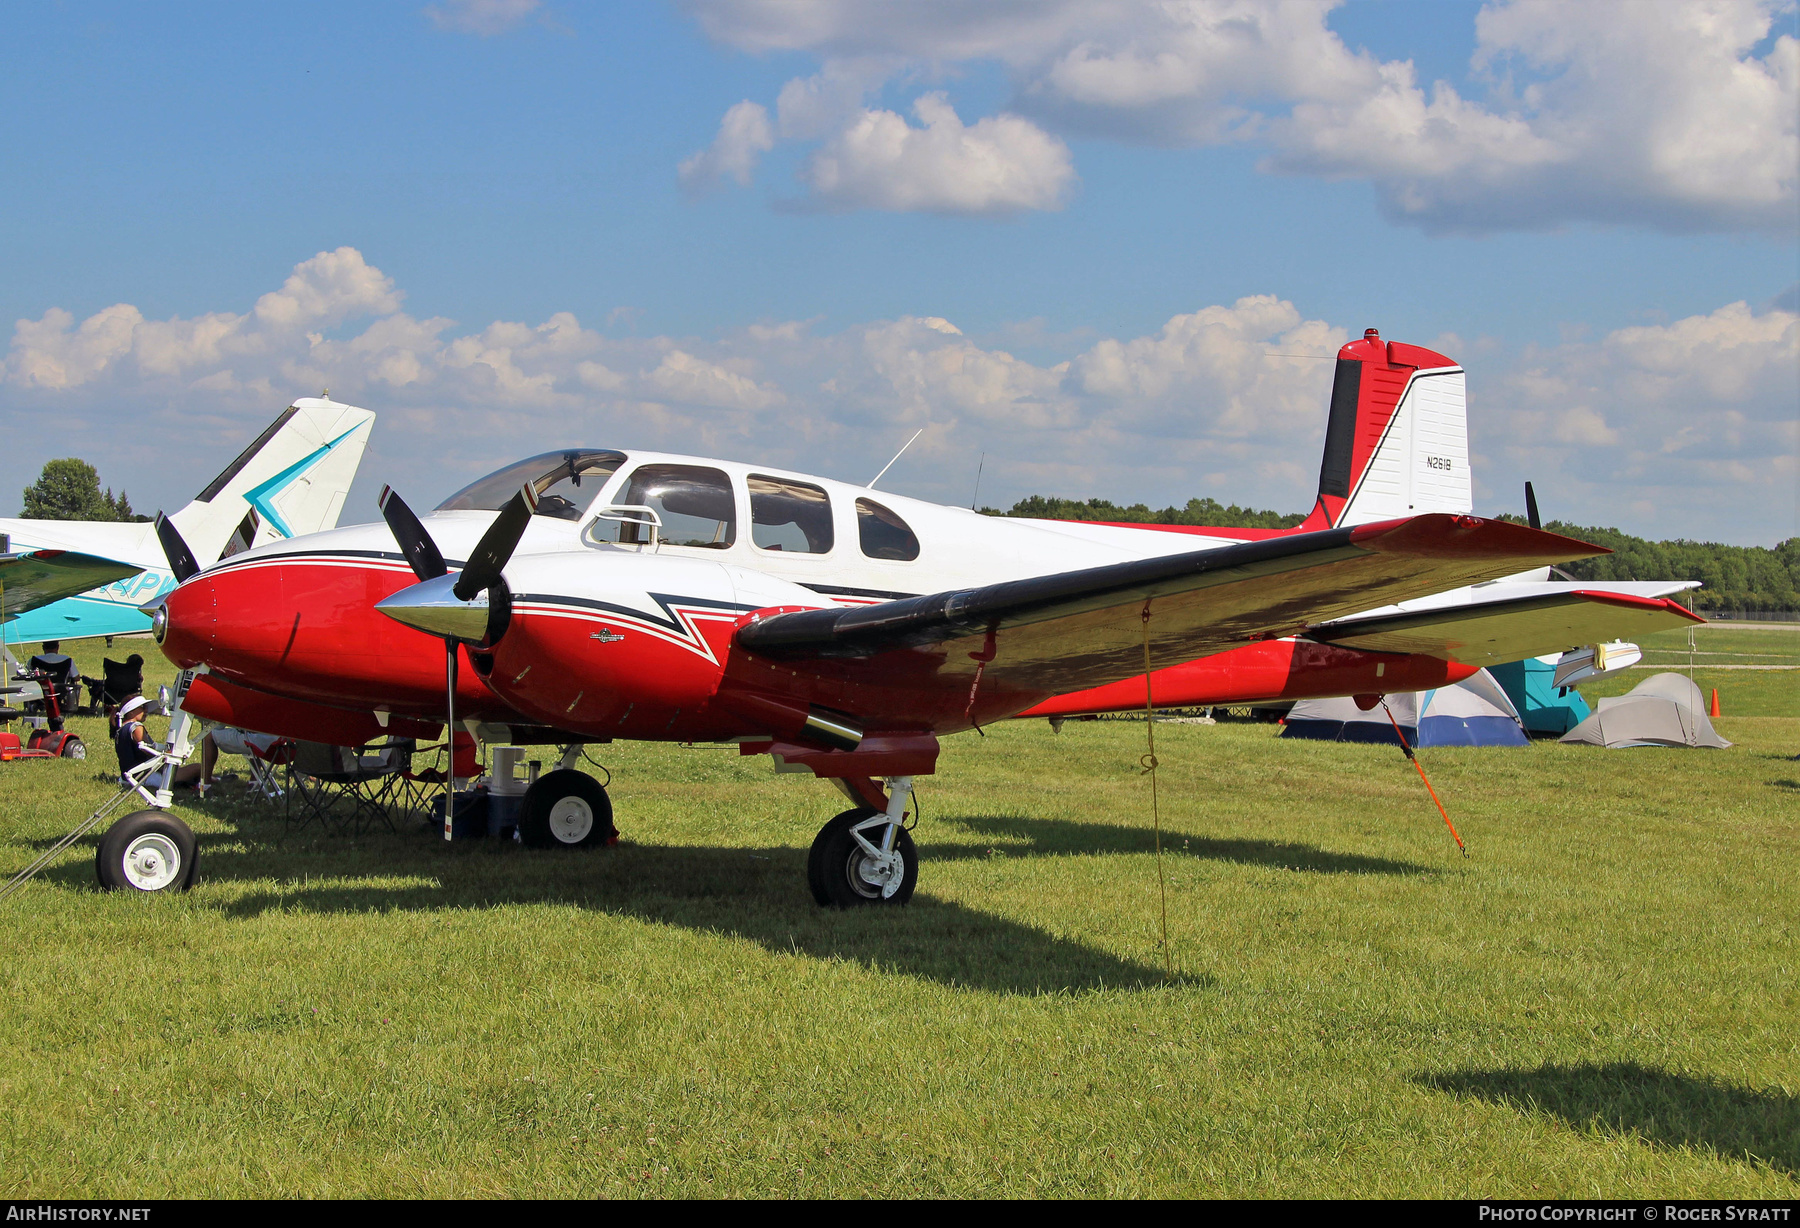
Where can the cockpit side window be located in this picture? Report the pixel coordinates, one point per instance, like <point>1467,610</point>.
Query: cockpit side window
<point>789,516</point>
<point>566,482</point>
<point>884,535</point>
<point>694,502</point>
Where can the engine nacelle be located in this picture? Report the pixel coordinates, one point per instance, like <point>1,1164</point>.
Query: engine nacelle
<point>628,645</point>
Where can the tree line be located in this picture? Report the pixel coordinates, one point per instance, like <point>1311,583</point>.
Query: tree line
<point>69,489</point>
<point>1209,513</point>
<point>1732,577</point>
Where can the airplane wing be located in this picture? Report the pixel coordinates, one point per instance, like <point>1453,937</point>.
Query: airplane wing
<point>33,578</point>
<point>1506,628</point>
<point>1079,629</point>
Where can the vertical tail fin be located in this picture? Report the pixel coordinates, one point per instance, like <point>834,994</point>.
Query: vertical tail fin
<point>1397,443</point>
<point>292,480</point>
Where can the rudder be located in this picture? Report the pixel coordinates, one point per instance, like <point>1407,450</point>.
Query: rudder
<point>1397,441</point>
<point>291,480</point>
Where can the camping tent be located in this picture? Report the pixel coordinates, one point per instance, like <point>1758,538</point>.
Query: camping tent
<point>1474,712</point>
<point>1662,710</point>
<point>1545,709</point>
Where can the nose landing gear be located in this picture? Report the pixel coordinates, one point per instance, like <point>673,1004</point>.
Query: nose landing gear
<point>147,851</point>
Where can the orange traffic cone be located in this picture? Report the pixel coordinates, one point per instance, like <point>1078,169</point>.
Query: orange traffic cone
<point>1714,710</point>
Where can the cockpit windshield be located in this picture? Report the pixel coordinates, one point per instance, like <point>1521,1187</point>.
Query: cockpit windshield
<point>566,483</point>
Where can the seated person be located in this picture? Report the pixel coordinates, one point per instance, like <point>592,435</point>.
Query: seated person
<point>61,668</point>
<point>53,660</point>
<point>133,744</point>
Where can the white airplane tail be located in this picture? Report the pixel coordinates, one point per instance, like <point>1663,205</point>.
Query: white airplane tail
<point>1397,443</point>
<point>292,480</point>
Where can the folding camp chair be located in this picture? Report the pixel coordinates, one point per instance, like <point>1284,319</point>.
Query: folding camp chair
<point>263,753</point>
<point>120,681</point>
<point>344,788</point>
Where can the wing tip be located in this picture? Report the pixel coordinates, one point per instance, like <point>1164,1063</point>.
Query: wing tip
<point>1443,534</point>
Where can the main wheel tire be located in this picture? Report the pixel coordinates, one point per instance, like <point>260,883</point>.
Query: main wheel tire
<point>149,850</point>
<point>834,867</point>
<point>74,748</point>
<point>566,809</point>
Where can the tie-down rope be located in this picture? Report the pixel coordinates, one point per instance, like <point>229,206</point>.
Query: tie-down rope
<point>1420,769</point>
<point>1149,765</point>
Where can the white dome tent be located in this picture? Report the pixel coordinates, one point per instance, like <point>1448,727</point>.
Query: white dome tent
<point>1474,712</point>
<point>1662,710</point>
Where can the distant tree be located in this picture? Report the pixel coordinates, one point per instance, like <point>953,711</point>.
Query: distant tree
<point>68,489</point>
<point>1209,513</point>
<point>1733,577</point>
<point>121,507</point>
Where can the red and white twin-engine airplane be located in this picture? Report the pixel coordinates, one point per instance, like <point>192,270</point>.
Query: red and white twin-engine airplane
<point>589,595</point>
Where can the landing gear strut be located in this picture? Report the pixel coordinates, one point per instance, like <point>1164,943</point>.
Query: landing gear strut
<point>865,856</point>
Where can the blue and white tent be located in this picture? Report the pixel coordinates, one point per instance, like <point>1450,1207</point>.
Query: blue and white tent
<point>1474,712</point>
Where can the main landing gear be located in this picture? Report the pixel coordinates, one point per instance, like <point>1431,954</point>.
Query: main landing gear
<point>865,855</point>
<point>566,809</point>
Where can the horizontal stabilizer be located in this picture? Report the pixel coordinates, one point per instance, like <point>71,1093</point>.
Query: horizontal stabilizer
<point>36,578</point>
<point>1493,632</point>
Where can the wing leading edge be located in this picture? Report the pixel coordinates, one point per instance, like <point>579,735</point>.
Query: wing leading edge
<point>1073,630</point>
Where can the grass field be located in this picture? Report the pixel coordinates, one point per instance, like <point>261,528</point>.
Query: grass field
<point>1599,1001</point>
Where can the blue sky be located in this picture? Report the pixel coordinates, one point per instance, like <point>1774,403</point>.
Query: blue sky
<point>1555,221</point>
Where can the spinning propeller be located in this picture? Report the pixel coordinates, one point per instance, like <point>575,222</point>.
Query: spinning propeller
<point>447,607</point>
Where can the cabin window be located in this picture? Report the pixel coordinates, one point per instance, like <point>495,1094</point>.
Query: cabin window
<point>793,517</point>
<point>695,504</point>
<point>566,482</point>
<point>884,535</point>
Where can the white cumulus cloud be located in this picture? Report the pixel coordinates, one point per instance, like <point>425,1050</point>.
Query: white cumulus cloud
<point>483,17</point>
<point>1677,114</point>
<point>744,136</point>
<point>1001,164</point>
<point>1693,419</point>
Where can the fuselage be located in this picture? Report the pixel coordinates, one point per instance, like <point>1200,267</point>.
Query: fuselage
<point>613,634</point>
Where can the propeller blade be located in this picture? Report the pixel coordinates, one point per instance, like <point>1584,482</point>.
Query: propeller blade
<point>181,559</point>
<point>496,546</point>
<point>415,543</point>
<point>1531,512</point>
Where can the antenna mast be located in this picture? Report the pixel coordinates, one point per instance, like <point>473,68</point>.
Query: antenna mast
<point>897,456</point>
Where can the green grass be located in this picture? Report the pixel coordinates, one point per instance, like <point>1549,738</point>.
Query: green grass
<point>1600,1001</point>
<point>1742,692</point>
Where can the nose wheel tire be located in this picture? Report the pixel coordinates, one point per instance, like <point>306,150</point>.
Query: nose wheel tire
<point>566,809</point>
<point>149,851</point>
<point>844,874</point>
